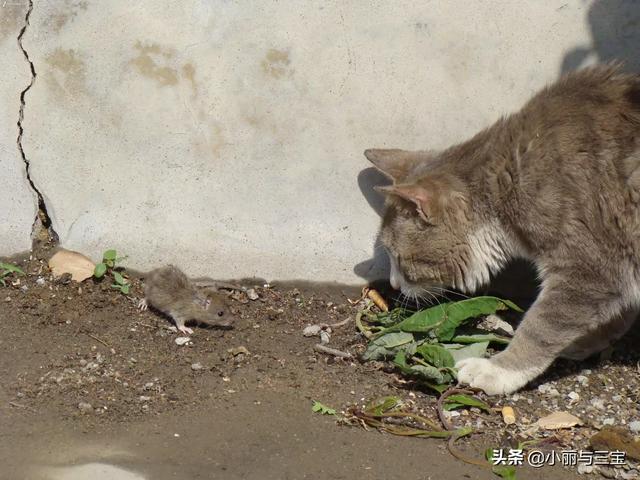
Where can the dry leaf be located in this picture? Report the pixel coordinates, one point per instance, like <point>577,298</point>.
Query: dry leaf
<point>558,420</point>
<point>508,415</point>
<point>66,261</point>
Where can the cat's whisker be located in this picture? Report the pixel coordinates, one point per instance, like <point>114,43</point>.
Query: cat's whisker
<point>431,295</point>
<point>442,290</point>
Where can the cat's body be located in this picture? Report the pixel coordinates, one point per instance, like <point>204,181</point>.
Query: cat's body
<point>557,183</point>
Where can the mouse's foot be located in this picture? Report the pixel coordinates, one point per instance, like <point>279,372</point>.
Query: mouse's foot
<point>143,305</point>
<point>186,330</point>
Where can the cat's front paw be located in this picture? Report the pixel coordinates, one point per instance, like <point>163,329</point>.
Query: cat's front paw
<point>493,379</point>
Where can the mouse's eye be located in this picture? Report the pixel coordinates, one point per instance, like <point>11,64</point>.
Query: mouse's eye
<point>220,313</point>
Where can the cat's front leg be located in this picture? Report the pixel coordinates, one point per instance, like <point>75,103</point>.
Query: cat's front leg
<point>560,316</point>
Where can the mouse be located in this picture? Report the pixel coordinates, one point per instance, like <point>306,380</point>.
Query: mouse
<point>169,290</point>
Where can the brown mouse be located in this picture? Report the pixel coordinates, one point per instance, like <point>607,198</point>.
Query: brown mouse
<point>170,291</point>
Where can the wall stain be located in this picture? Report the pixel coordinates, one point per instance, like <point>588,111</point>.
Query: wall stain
<point>11,18</point>
<point>68,72</point>
<point>148,67</point>
<point>211,140</point>
<point>189,72</point>
<point>65,12</point>
<point>277,63</point>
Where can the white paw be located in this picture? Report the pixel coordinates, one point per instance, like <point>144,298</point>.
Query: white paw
<point>186,330</point>
<point>493,379</point>
<point>143,305</point>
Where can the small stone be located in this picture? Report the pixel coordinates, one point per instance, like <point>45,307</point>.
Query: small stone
<point>606,471</point>
<point>598,403</point>
<point>85,407</point>
<point>582,379</point>
<point>553,392</point>
<point>584,469</point>
<point>196,366</point>
<point>40,281</point>
<point>573,396</point>
<point>148,386</point>
<point>325,337</point>
<point>252,294</point>
<point>238,351</point>
<point>144,398</point>
<point>311,330</point>
<point>608,421</point>
<point>182,340</point>
<point>616,398</point>
<point>634,426</point>
<point>630,475</point>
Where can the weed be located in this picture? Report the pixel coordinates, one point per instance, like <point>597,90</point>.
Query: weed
<point>7,269</point>
<point>108,266</point>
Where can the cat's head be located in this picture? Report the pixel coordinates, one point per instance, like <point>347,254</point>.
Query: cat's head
<point>429,227</point>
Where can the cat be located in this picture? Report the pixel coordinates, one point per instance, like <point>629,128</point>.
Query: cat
<point>557,183</point>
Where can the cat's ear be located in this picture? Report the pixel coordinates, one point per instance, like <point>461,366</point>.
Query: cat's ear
<point>393,163</point>
<point>435,197</point>
<point>417,194</point>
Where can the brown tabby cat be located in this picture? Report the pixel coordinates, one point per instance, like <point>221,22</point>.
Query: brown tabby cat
<point>557,183</point>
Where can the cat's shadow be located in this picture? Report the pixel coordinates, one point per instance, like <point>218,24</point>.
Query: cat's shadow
<point>376,269</point>
<point>615,35</point>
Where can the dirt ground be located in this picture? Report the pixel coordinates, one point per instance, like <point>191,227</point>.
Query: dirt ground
<point>86,377</point>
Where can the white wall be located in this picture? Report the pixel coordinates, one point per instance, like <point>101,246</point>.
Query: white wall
<point>227,137</point>
<point>17,202</point>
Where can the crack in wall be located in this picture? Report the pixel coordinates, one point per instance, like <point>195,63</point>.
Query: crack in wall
<point>42,220</point>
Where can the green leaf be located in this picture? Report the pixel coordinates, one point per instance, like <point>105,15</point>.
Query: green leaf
<point>381,405</point>
<point>125,288</point>
<point>100,270</point>
<point>323,409</point>
<point>435,355</point>
<point>507,472</point>
<point>423,372</point>
<point>422,321</point>
<point>458,313</point>
<point>119,279</point>
<point>482,337</point>
<point>110,255</point>
<point>446,317</point>
<point>11,268</point>
<point>2,281</point>
<point>392,340</point>
<point>475,350</point>
<point>387,319</point>
<point>467,401</point>
<point>386,346</point>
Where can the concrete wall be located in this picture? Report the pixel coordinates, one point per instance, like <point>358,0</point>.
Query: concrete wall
<point>17,201</point>
<point>227,137</point>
